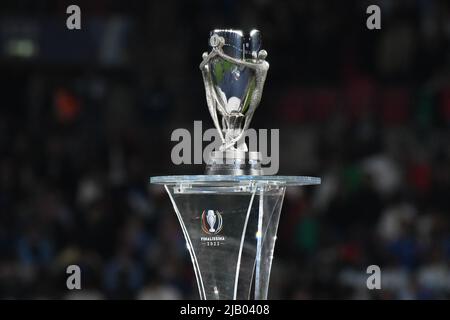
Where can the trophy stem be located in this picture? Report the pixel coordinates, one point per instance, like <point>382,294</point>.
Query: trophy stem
<point>234,162</point>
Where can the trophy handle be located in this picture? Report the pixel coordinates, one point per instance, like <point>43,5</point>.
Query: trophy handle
<point>210,100</point>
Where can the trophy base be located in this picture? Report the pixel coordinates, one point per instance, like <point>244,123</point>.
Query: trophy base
<point>235,163</point>
<point>230,225</point>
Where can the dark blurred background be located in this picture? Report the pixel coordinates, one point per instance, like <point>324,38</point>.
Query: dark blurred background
<point>86,118</point>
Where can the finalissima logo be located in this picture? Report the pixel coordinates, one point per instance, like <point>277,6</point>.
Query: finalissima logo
<point>211,222</point>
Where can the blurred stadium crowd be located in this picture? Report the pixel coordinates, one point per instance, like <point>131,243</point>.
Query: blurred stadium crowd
<point>86,118</point>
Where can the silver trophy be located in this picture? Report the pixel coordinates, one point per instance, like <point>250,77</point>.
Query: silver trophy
<point>234,73</point>
<point>229,216</point>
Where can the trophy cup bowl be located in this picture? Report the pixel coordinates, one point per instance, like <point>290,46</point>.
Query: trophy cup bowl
<point>229,216</point>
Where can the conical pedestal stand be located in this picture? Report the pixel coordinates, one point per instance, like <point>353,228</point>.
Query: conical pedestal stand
<point>230,225</point>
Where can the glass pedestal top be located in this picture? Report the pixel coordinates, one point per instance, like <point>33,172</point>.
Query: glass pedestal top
<point>233,180</point>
